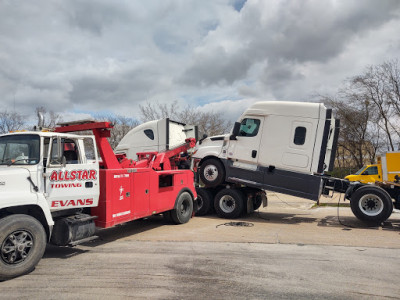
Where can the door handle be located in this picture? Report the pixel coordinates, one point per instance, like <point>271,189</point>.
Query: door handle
<point>88,184</point>
<point>254,153</point>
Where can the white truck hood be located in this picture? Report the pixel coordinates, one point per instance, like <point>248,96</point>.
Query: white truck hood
<point>209,146</point>
<point>14,179</point>
<point>15,187</point>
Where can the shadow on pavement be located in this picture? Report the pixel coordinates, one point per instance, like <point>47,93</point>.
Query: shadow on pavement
<point>346,222</point>
<point>107,235</point>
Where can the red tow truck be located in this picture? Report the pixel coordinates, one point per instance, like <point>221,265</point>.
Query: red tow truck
<point>55,188</point>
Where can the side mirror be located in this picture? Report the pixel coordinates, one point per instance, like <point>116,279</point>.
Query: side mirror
<point>204,137</point>
<point>235,131</point>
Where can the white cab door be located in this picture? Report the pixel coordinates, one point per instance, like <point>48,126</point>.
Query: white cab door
<point>72,173</point>
<point>246,147</point>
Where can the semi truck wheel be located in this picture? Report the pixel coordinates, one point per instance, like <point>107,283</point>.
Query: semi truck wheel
<point>204,201</point>
<point>229,203</point>
<point>212,172</point>
<point>183,209</point>
<point>371,204</point>
<point>257,201</point>
<point>22,245</point>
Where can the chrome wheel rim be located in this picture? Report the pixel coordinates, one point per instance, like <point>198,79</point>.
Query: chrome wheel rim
<point>210,172</point>
<point>227,204</point>
<point>371,205</point>
<point>16,247</point>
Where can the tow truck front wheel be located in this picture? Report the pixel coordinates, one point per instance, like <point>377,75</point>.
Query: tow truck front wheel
<point>371,204</point>
<point>22,245</point>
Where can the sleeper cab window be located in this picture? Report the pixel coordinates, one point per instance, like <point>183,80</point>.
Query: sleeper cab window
<point>149,133</point>
<point>300,135</point>
<point>249,127</point>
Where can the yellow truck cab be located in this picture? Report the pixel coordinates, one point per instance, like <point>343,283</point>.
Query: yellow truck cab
<point>367,174</point>
<point>386,169</point>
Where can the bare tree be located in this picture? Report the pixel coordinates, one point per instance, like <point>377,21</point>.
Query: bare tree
<point>10,121</point>
<point>368,106</point>
<point>51,119</point>
<point>380,86</point>
<point>354,119</point>
<point>122,125</point>
<point>208,123</point>
<point>155,111</point>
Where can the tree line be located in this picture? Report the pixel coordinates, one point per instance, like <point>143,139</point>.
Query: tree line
<point>208,123</point>
<point>368,106</point>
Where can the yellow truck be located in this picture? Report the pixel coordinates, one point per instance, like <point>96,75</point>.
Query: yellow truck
<point>385,170</point>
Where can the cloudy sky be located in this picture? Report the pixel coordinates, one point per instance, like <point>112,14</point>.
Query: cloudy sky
<point>82,57</point>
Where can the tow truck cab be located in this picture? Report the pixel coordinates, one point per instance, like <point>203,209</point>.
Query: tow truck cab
<point>54,171</point>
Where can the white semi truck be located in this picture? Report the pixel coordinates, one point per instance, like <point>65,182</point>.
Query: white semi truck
<point>284,147</point>
<point>158,135</point>
<point>274,146</point>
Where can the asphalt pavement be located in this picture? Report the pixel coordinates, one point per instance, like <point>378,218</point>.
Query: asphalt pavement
<point>287,250</point>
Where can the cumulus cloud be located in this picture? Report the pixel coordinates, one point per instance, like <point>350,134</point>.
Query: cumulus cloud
<point>100,56</point>
<point>283,34</point>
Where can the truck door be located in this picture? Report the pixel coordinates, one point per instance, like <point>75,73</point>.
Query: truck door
<point>245,148</point>
<point>72,173</point>
<point>370,175</point>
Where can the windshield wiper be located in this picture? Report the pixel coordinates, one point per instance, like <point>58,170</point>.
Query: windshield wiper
<point>13,162</point>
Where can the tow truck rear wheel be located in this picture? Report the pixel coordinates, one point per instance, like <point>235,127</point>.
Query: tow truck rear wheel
<point>229,203</point>
<point>371,204</point>
<point>183,209</point>
<point>22,245</point>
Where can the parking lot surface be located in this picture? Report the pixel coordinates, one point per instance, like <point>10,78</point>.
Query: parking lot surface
<point>287,250</point>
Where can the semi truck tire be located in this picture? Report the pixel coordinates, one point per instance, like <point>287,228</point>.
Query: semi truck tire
<point>22,245</point>
<point>183,209</point>
<point>257,201</point>
<point>204,201</point>
<point>371,204</point>
<point>212,172</point>
<point>229,203</point>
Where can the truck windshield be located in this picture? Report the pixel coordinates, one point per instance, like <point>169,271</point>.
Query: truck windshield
<point>360,171</point>
<point>19,149</point>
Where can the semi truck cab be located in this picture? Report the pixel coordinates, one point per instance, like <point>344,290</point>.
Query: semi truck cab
<point>277,146</point>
